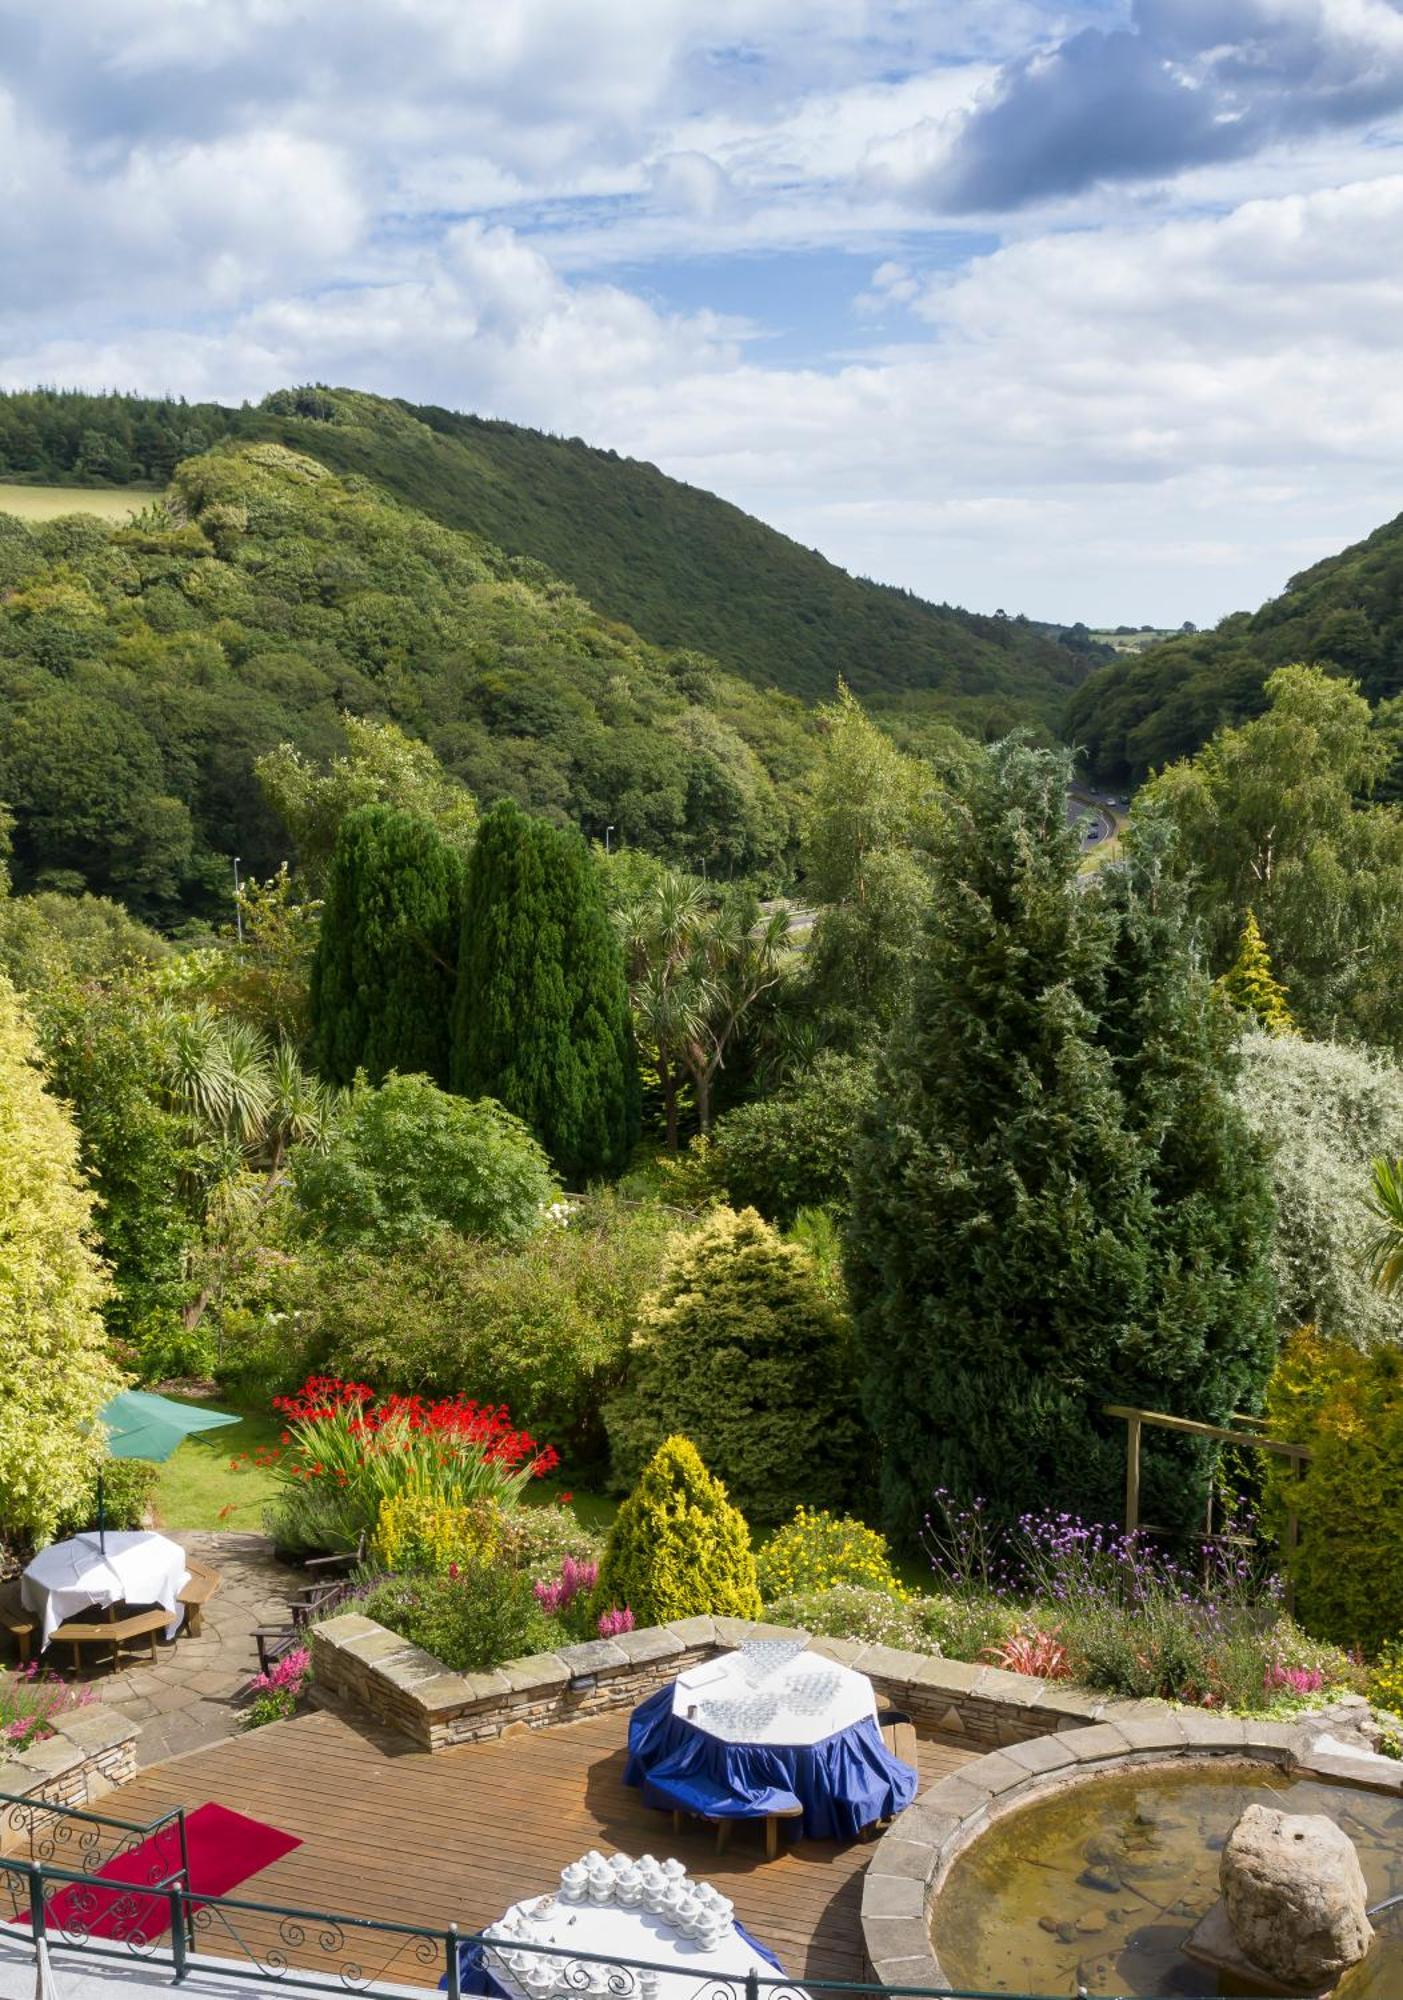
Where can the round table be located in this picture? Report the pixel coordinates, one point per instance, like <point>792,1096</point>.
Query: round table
<point>809,1728</point>
<point>128,1567</point>
<point>626,1936</point>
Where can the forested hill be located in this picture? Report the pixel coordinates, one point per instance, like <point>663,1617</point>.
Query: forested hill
<point>680,566</point>
<point>1347,613</point>
<point>145,666</point>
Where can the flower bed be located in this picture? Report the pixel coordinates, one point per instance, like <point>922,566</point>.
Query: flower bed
<point>31,1704</point>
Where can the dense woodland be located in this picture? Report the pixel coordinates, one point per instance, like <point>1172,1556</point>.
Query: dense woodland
<point>681,567</point>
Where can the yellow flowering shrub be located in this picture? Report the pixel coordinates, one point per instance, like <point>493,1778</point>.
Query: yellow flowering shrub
<point>818,1551</point>
<point>413,1531</point>
<point>1386,1680</point>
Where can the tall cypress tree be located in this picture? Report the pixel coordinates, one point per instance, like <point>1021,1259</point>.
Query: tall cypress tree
<point>383,976</point>
<point>541,1018</point>
<point>1043,1206</point>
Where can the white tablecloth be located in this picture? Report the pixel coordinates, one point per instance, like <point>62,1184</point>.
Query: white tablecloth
<point>68,1578</point>
<point>717,1697</point>
<point>634,1935</point>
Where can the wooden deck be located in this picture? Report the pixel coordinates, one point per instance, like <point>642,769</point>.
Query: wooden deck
<point>390,1832</point>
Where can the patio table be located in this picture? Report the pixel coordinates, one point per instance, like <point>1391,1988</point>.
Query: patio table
<point>81,1574</point>
<point>630,1936</point>
<point>809,1727</point>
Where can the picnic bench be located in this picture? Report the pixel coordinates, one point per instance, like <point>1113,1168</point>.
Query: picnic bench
<point>20,1623</point>
<point>196,1594</point>
<point>110,1631</point>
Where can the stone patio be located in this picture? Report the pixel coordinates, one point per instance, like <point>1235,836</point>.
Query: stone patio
<point>189,1698</point>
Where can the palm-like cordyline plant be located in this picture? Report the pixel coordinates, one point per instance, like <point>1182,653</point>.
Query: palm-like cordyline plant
<point>1387,1208</point>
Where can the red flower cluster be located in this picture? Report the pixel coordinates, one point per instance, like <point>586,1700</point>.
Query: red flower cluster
<point>451,1420</point>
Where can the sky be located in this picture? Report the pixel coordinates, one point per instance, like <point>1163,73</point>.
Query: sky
<point>1087,310</point>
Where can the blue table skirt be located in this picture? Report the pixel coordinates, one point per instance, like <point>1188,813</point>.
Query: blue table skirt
<point>474,1977</point>
<point>843,1783</point>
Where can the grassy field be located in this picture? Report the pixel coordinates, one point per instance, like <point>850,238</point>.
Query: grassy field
<point>42,503</point>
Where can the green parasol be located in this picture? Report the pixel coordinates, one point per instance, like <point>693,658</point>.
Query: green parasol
<point>140,1424</point>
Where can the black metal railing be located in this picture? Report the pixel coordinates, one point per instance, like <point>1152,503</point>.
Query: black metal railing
<point>77,1910</point>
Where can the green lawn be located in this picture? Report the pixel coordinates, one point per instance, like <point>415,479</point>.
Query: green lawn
<point>198,1487</point>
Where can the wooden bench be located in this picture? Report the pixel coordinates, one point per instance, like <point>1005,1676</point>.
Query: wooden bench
<point>899,1736</point>
<point>16,1620</point>
<point>197,1593</point>
<point>779,1805</point>
<point>113,1632</point>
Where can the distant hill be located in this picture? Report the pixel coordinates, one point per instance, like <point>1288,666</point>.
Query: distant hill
<point>1146,709</point>
<point>680,566</point>
<point>145,665</point>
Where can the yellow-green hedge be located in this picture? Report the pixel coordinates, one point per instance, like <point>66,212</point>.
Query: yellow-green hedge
<point>678,1547</point>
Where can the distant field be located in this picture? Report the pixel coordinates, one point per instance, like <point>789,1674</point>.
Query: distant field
<point>41,503</point>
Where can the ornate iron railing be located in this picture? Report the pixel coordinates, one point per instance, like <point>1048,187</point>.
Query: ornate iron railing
<point>74,1909</point>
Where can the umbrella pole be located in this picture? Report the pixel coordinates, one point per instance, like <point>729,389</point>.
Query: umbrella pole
<point>101,1515</point>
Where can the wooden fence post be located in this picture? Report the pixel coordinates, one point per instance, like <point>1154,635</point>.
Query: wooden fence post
<point>1132,1474</point>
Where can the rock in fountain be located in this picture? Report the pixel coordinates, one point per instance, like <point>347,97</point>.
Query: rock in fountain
<point>1294,1896</point>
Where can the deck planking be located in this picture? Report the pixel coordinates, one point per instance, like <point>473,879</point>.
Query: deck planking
<point>389,1832</point>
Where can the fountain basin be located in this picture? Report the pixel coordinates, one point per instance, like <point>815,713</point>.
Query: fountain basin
<point>975,1886</point>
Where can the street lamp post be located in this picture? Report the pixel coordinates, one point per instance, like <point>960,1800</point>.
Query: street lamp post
<point>238,906</point>
<point>607,831</point>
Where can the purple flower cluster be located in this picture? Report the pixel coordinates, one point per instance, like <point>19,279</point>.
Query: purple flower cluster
<point>575,1578</point>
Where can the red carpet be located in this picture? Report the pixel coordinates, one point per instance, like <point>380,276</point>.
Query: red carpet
<point>224,1849</point>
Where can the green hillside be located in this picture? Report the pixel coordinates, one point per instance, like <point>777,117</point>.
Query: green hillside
<point>1346,612</point>
<point>144,666</point>
<point>680,566</point>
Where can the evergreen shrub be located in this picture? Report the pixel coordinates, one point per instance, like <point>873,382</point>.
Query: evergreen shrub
<point>744,1349</point>
<point>678,1548</point>
<point>1347,1406</point>
<point>419,1531</point>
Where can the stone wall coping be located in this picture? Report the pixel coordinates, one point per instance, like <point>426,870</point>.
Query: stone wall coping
<point>91,1749</point>
<point>911,1861</point>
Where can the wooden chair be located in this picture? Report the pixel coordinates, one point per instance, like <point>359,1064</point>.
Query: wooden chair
<point>204,1582</point>
<point>16,1620</point>
<point>899,1735</point>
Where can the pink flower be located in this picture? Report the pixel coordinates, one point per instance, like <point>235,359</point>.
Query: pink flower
<point>614,1621</point>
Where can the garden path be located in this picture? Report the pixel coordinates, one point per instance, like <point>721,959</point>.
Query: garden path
<point>188,1698</point>
<point>393,1833</point>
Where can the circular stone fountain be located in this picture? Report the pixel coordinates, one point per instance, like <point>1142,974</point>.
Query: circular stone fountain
<point>1089,1859</point>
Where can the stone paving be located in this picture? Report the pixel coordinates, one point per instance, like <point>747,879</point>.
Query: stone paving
<point>190,1697</point>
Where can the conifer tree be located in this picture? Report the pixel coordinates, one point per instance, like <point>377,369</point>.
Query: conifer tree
<point>1249,984</point>
<point>1042,1189</point>
<point>678,1548</point>
<point>541,1017</point>
<point>382,979</point>
<point>56,1371</point>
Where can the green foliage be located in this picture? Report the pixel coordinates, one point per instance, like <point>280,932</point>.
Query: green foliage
<point>1149,708</point>
<point>382,979</point>
<point>407,1160</point>
<point>742,1349</point>
<point>128,1489</point>
<point>1248,984</point>
<point>107,1051</point>
<point>1054,1204</point>
<point>793,1149</point>
<point>818,1550</point>
<point>538,1539</point>
<point>1386,1681</point>
<point>854,1611</point>
<point>1348,1408</point>
<point>416,1531</point>
<point>541,1018</point>
<point>1323,1111</point>
<point>542,1325</point>
<point>1386,1206</point>
<point>678,1548</point>
<point>355,651</point>
<point>475,1620</point>
<point>55,1369</point>
<point>382,766</point>
<point>1274,817</point>
<point>49,938</point>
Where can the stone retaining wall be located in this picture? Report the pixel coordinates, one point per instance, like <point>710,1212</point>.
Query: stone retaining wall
<point>359,1664</point>
<point>910,1863</point>
<point>92,1750</point>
